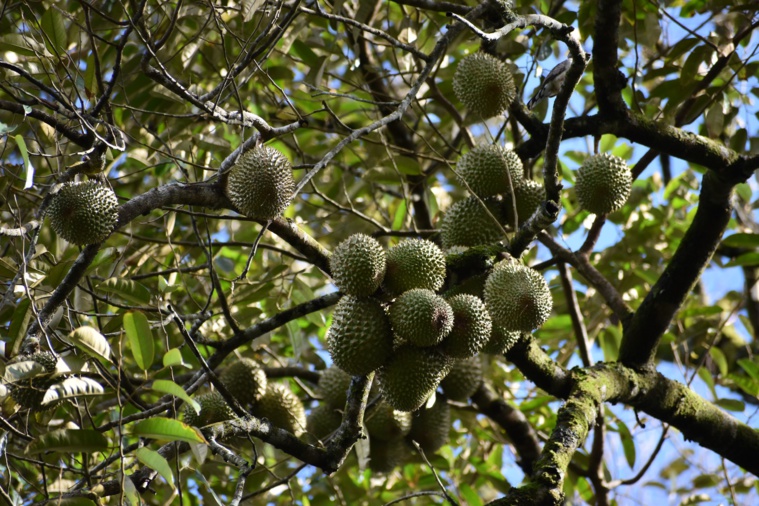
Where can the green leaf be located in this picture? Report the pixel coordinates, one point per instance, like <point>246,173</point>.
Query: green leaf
<point>628,443</point>
<point>21,317</point>
<point>127,289</point>
<point>68,441</point>
<point>741,241</point>
<point>748,385</point>
<point>719,360</point>
<point>751,368</point>
<point>706,377</point>
<point>472,498</point>
<point>173,357</point>
<point>23,45</point>
<point>731,404</point>
<point>746,259</point>
<point>156,462</point>
<point>54,31</point>
<point>29,170</point>
<point>171,388</point>
<point>167,429</point>
<point>400,216</point>
<point>140,338</point>
<point>90,341</point>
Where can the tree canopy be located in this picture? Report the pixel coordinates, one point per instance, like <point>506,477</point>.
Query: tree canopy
<point>642,382</point>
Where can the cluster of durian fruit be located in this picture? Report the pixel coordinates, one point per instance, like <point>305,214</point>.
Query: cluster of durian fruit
<point>391,431</point>
<point>484,84</point>
<point>246,381</point>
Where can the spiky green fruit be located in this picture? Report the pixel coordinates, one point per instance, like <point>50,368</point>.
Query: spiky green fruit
<point>484,85</point>
<point>83,213</point>
<point>414,263</point>
<point>529,196</point>
<point>463,380</point>
<point>517,297</point>
<point>411,375</point>
<point>261,183</point>
<point>603,183</point>
<point>358,265</point>
<point>421,318</point>
<point>333,387</point>
<point>245,380</point>
<point>384,456</point>
<point>30,391</point>
<point>490,169</point>
<point>501,341</point>
<point>385,423</point>
<point>213,409</point>
<point>468,223</point>
<point>471,327</point>
<point>282,408</point>
<point>323,420</point>
<point>430,427</point>
<point>360,339</point>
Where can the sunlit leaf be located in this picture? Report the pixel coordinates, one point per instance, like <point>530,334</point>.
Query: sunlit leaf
<point>167,429</point>
<point>91,342</point>
<point>71,388</point>
<point>171,388</point>
<point>155,461</point>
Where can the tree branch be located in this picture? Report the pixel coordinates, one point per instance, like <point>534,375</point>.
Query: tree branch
<point>641,338</point>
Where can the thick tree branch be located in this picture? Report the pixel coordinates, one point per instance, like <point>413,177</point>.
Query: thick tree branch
<point>538,367</point>
<point>608,81</point>
<point>513,421</point>
<point>667,400</point>
<point>641,337</point>
<point>84,140</point>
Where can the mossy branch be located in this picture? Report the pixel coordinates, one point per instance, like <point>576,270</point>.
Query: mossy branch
<point>667,400</point>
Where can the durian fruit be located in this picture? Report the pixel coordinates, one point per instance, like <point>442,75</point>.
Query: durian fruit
<point>471,327</point>
<point>213,409</point>
<point>360,339</point>
<point>83,213</point>
<point>411,375</point>
<point>414,263</point>
<point>245,380</point>
<point>323,420</point>
<point>463,380</point>
<point>282,408</point>
<point>517,297</point>
<point>420,317</point>
<point>358,265</point>
<point>603,183</point>
<point>333,387</point>
<point>529,196</point>
<point>387,424</point>
<point>261,183</point>
<point>490,169</point>
<point>384,456</point>
<point>29,393</point>
<point>484,85</point>
<point>501,341</point>
<point>430,427</point>
<point>467,223</point>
